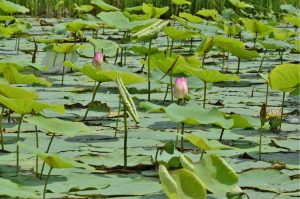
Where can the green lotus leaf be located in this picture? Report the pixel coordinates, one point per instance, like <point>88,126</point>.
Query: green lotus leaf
<point>232,30</point>
<point>142,50</point>
<point>11,74</point>
<point>290,8</point>
<point>197,115</point>
<point>205,46</point>
<point>154,12</point>
<point>104,6</point>
<point>7,18</point>
<point>282,34</point>
<point>75,26</point>
<point>204,144</point>
<point>9,30</point>
<point>183,22</point>
<point>119,21</point>
<point>212,76</point>
<point>151,31</point>
<point>257,27</point>
<point>285,77</point>
<point>9,189</point>
<point>13,92</point>
<point>12,8</point>
<point>181,2</point>
<point>181,183</point>
<point>177,34</point>
<point>106,75</point>
<point>295,20</point>
<point>218,177</point>
<point>244,121</point>
<point>191,18</point>
<point>55,161</point>
<point>63,48</point>
<point>274,44</point>
<point>58,126</point>
<point>152,108</point>
<point>163,63</point>
<point>209,13</point>
<point>90,71</point>
<point>108,47</point>
<point>240,4</point>
<point>28,105</point>
<point>235,47</point>
<point>83,8</point>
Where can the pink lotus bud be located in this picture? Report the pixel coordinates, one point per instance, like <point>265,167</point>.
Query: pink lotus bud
<point>98,60</point>
<point>180,88</point>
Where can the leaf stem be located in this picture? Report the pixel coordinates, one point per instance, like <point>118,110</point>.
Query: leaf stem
<point>204,98</point>
<point>46,182</point>
<point>37,146</point>
<point>281,115</point>
<point>92,100</point>
<point>117,123</point>
<point>221,136</point>
<point>18,139</point>
<point>125,136</point>
<point>48,148</point>
<point>63,72</point>
<point>1,130</point>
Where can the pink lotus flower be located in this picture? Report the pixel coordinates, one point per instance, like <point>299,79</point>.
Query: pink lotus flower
<point>98,60</point>
<point>180,88</point>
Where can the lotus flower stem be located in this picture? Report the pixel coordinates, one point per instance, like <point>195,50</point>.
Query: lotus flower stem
<point>281,115</point>
<point>166,94</point>
<point>117,55</point>
<point>267,95</point>
<point>1,130</point>
<point>149,73</point>
<point>37,146</point>
<point>171,84</point>
<point>203,60</point>
<point>182,133</point>
<point>204,98</point>
<point>63,72</point>
<point>125,135</point>
<point>191,46</point>
<point>221,136</point>
<point>48,148</point>
<point>262,60</point>
<point>117,123</point>
<point>260,142</point>
<point>255,39</point>
<point>18,139</point>
<point>171,48</point>
<point>46,182</point>
<point>93,98</point>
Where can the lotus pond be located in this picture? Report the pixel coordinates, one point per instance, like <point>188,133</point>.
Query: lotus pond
<point>132,103</point>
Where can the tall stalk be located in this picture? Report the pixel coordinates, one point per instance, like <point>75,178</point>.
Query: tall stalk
<point>125,135</point>
<point>46,182</point>
<point>149,73</point>
<point>281,115</point>
<point>92,100</point>
<point>63,72</point>
<point>47,150</point>
<point>18,139</point>
<point>1,130</point>
<point>204,98</point>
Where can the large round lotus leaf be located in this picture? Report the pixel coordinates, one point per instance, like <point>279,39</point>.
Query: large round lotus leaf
<point>236,47</point>
<point>9,189</point>
<point>11,8</point>
<point>181,2</point>
<point>55,161</point>
<point>104,6</point>
<point>27,105</point>
<point>257,27</point>
<point>153,12</point>
<point>208,13</point>
<point>177,34</point>
<point>181,183</point>
<point>240,4</point>
<point>217,176</point>
<point>212,76</point>
<point>13,92</point>
<point>295,20</point>
<point>191,18</point>
<point>197,115</point>
<point>11,74</point>
<point>205,46</point>
<point>285,77</point>
<point>58,126</point>
<point>204,144</point>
